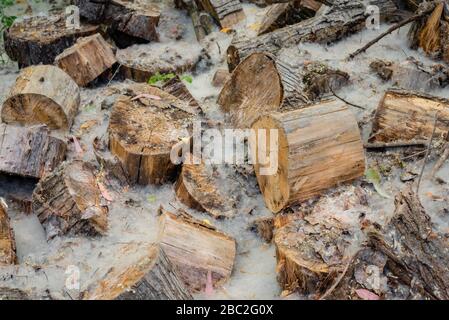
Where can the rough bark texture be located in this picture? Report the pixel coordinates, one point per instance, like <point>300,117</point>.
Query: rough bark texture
<point>178,89</point>
<point>143,130</point>
<point>318,147</point>
<point>408,115</point>
<point>280,15</point>
<point>150,276</point>
<point>87,59</point>
<point>129,22</point>
<point>328,25</point>
<point>196,249</point>
<point>29,152</point>
<point>68,201</point>
<point>264,228</point>
<point>38,40</point>
<point>42,95</point>
<point>198,189</point>
<point>255,88</point>
<point>227,12</point>
<point>7,242</point>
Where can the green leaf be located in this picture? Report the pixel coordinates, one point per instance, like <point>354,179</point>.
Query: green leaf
<point>151,198</point>
<point>187,78</point>
<point>90,107</point>
<point>373,177</point>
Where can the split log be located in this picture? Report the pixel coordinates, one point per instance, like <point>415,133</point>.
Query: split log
<point>142,131</point>
<point>38,40</point>
<point>228,13</point>
<point>149,276</point>
<point>110,163</point>
<point>254,88</point>
<point>68,201</point>
<point>29,152</point>
<point>178,89</point>
<point>87,59</point>
<point>198,188</point>
<point>280,15</point>
<point>201,21</point>
<point>42,95</point>
<point>408,115</point>
<point>264,228</point>
<point>129,22</point>
<point>328,25</point>
<point>318,147</point>
<point>7,242</point>
<point>196,249</point>
<point>141,62</point>
<point>220,78</point>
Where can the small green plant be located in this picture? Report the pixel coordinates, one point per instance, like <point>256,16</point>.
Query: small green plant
<point>158,78</point>
<point>6,20</point>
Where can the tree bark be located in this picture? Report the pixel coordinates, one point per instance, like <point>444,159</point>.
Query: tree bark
<point>151,276</point>
<point>408,115</point>
<point>178,89</point>
<point>29,152</point>
<point>196,249</point>
<point>38,40</point>
<point>227,12</point>
<point>87,59</point>
<point>318,147</point>
<point>328,25</point>
<point>42,95</point>
<point>68,201</point>
<point>7,242</point>
<point>143,131</point>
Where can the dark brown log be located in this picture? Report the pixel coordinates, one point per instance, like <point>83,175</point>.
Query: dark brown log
<point>280,15</point>
<point>150,275</point>
<point>198,188</point>
<point>178,89</point>
<point>29,152</point>
<point>228,13</point>
<point>330,24</point>
<point>143,129</point>
<point>87,59</point>
<point>196,249</point>
<point>409,115</point>
<point>38,40</point>
<point>7,242</point>
<point>42,95</point>
<point>68,201</point>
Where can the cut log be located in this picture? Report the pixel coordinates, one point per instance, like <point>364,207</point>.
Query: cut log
<point>29,152</point>
<point>196,249</point>
<point>317,148</point>
<point>87,59</point>
<point>68,201</point>
<point>264,228</point>
<point>202,22</point>
<point>178,89</point>
<point>42,95</point>
<point>198,188</point>
<point>328,25</point>
<point>129,22</point>
<point>280,15</point>
<point>228,13</point>
<point>110,163</point>
<point>220,78</point>
<point>141,62</point>
<point>142,131</point>
<point>255,88</point>
<point>38,40</point>
<point>408,115</point>
<point>149,276</point>
<point>7,242</point>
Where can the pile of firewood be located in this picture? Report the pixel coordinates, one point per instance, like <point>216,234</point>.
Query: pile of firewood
<point>319,148</point>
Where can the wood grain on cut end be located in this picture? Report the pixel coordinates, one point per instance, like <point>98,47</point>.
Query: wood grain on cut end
<point>255,88</point>
<point>318,147</point>
<point>196,249</point>
<point>42,94</point>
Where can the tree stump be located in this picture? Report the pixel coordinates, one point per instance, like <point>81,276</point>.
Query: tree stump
<point>38,40</point>
<point>42,95</point>
<point>68,201</point>
<point>196,249</point>
<point>7,242</point>
<point>142,131</point>
<point>318,147</point>
<point>129,22</point>
<point>198,189</point>
<point>227,12</point>
<point>331,24</point>
<point>29,152</point>
<point>87,59</point>
<point>254,88</point>
<point>149,276</point>
<point>408,115</point>
<point>178,89</point>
